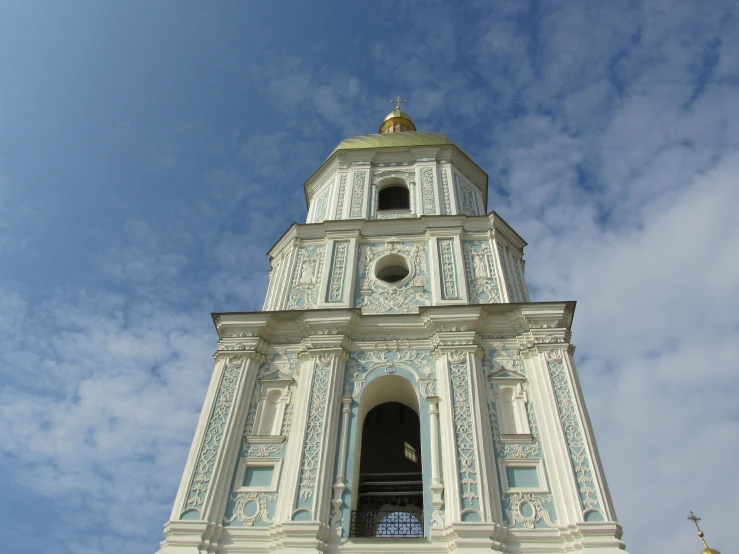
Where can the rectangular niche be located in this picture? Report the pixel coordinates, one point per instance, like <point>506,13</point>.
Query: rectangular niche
<point>257,475</point>
<point>523,476</point>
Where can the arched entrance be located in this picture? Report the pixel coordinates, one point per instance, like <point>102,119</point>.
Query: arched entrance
<point>390,495</point>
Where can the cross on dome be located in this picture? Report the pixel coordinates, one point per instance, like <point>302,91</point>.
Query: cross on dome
<point>397,101</point>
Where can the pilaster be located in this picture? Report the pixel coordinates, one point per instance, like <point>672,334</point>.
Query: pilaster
<point>303,509</point>
<point>562,478</point>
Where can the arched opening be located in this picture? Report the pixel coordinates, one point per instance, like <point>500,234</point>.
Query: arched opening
<point>390,492</point>
<point>394,197</point>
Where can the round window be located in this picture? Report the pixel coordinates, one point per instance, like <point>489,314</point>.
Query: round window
<point>392,268</point>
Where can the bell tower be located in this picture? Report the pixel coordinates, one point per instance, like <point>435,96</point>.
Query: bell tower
<point>399,391</point>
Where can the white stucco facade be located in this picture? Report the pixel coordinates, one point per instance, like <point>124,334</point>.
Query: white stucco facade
<point>424,305</point>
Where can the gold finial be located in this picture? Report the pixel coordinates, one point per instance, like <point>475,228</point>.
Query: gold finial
<point>695,519</point>
<point>397,121</point>
<point>397,101</point>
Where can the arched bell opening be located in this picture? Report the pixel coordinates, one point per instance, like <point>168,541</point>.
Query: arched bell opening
<point>389,476</point>
<point>394,197</point>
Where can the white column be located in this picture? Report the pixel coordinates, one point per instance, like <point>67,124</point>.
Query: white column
<point>437,488</point>
<point>340,485</point>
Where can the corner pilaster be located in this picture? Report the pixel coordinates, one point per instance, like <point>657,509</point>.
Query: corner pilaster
<point>303,508</point>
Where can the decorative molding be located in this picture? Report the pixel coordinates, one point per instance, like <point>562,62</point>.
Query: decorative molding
<point>358,194</point>
<point>377,297</point>
<point>340,199</point>
<point>466,198</point>
<point>404,214</point>
<point>259,511</point>
<point>419,362</point>
<point>479,267</point>
<point>517,504</point>
<point>449,289</point>
<point>407,175</point>
<point>464,429</point>
<point>315,427</point>
<point>427,190</point>
<point>262,450</point>
<point>306,278</point>
<point>322,204</point>
<point>336,286</point>
<point>445,192</point>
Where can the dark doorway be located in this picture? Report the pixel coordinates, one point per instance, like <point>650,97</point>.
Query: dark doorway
<point>390,500</point>
<point>394,197</point>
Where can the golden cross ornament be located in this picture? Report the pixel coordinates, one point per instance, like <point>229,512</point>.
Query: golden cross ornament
<point>397,101</point>
<point>695,519</point>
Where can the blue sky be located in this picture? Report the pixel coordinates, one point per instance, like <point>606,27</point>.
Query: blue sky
<point>151,153</point>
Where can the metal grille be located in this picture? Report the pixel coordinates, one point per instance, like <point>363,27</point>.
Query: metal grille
<point>387,524</point>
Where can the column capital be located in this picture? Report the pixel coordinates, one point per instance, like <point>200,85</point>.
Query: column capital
<point>324,356</point>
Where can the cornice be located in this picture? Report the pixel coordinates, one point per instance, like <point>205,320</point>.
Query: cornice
<point>416,228</point>
<point>533,327</point>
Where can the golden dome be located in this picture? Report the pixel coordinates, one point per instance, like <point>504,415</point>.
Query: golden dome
<point>397,121</point>
<point>396,113</point>
<point>707,550</point>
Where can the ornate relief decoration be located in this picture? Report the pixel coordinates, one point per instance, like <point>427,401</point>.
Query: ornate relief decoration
<point>528,509</point>
<point>249,508</point>
<point>214,432</point>
<point>396,215</point>
<point>445,192</point>
<point>340,199</point>
<point>466,197</point>
<point>482,283</point>
<point>506,272</point>
<point>338,266</point>
<point>464,430</point>
<point>314,432</point>
<point>427,190</point>
<point>358,194</point>
<point>448,271</point>
<point>406,175</point>
<point>377,297</point>
<point>306,278</point>
<point>418,362</point>
<point>262,450</point>
<point>437,519</point>
<point>282,364</point>
<point>518,272</point>
<point>574,434</point>
<point>322,204</point>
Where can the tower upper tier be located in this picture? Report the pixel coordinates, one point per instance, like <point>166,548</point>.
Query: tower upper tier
<point>396,221</point>
<point>428,172</point>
